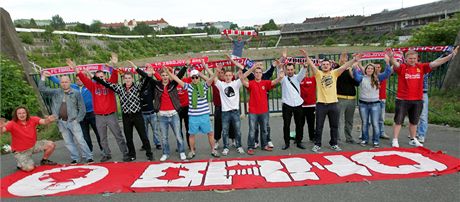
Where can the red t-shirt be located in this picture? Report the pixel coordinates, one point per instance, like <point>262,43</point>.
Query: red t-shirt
<point>183,94</point>
<point>23,136</point>
<point>308,91</point>
<point>166,103</point>
<point>258,103</point>
<point>410,80</point>
<point>383,90</point>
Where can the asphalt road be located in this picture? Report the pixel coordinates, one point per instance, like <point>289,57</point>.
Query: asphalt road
<point>441,188</point>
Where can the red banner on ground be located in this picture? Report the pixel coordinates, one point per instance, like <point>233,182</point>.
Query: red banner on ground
<point>224,174</point>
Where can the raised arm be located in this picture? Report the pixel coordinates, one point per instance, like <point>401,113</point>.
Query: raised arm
<point>47,120</point>
<point>243,79</point>
<point>240,66</point>
<point>438,62</point>
<point>388,70</point>
<point>357,73</point>
<point>278,79</point>
<point>249,39</point>
<point>41,85</point>
<point>210,80</point>
<point>111,86</point>
<point>393,61</point>
<point>308,62</point>
<point>228,37</point>
<point>218,69</point>
<point>173,77</point>
<point>356,57</point>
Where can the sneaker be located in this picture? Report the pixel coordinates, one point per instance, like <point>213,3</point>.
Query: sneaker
<point>191,155</point>
<point>395,143</point>
<point>150,157</point>
<point>225,152</point>
<point>316,148</point>
<point>89,161</point>
<point>164,157</point>
<point>251,151</point>
<point>268,148</point>
<point>129,159</point>
<point>105,158</point>
<point>215,153</point>
<point>416,143</point>
<point>47,162</point>
<point>270,144</point>
<point>384,136</point>
<point>363,143</point>
<point>256,145</point>
<point>240,150</point>
<point>376,145</point>
<point>216,145</point>
<point>182,156</point>
<point>421,139</point>
<point>336,148</point>
<point>74,162</point>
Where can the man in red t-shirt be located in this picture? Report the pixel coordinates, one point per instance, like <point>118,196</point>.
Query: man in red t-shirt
<point>409,96</point>
<point>23,129</point>
<point>308,94</point>
<point>258,105</point>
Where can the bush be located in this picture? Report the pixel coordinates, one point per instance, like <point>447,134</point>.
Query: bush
<point>329,41</point>
<point>27,38</point>
<point>444,108</point>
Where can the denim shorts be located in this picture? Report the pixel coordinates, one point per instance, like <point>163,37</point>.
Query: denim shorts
<point>200,124</point>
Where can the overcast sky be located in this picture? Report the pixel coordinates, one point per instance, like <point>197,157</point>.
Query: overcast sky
<point>181,12</point>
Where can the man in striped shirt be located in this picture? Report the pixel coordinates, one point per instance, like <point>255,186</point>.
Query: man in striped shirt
<point>198,110</point>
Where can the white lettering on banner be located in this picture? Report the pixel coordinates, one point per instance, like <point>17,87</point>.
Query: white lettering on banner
<point>171,175</point>
<point>425,164</point>
<point>272,171</point>
<point>342,166</point>
<point>298,169</point>
<point>57,180</point>
<point>217,174</point>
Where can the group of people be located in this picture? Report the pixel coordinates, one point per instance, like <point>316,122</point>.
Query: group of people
<point>164,99</point>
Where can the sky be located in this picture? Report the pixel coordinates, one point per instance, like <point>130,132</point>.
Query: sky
<point>181,12</point>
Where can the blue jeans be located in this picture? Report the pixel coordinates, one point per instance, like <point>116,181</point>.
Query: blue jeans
<point>423,123</point>
<point>152,120</point>
<point>256,120</point>
<point>372,111</point>
<point>382,117</point>
<point>69,131</point>
<point>173,121</point>
<point>231,117</point>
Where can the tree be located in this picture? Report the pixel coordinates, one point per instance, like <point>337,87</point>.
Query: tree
<point>81,27</point>
<point>329,41</point>
<point>143,29</point>
<point>95,27</point>
<point>233,26</point>
<point>33,24</point>
<point>57,22</point>
<point>269,26</point>
<point>437,33</point>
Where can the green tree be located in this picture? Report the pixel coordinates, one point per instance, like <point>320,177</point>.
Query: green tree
<point>57,22</point>
<point>27,37</point>
<point>233,26</point>
<point>33,24</point>
<point>269,26</point>
<point>329,41</point>
<point>437,33</point>
<point>95,27</point>
<point>81,27</point>
<point>143,29</point>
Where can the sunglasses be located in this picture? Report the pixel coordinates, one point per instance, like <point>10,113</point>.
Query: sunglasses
<point>195,77</point>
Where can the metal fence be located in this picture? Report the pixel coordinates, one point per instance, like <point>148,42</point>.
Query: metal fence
<point>435,81</point>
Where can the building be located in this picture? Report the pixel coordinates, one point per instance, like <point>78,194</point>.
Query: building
<point>402,21</point>
<point>221,25</point>
<point>27,22</point>
<point>157,25</point>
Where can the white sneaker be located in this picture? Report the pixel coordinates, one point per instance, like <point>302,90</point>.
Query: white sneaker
<point>395,143</point>
<point>240,150</point>
<point>256,145</point>
<point>225,152</point>
<point>182,156</point>
<point>421,139</point>
<point>416,143</point>
<point>270,144</point>
<point>164,157</point>
<point>216,145</point>
<point>316,148</point>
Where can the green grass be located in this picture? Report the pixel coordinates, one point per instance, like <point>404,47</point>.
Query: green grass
<point>445,108</point>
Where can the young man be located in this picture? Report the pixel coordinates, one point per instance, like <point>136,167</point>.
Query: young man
<point>308,94</point>
<point>131,112</point>
<point>198,109</point>
<point>409,96</point>
<point>238,45</point>
<point>423,123</point>
<point>229,92</point>
<point>68,106</point>
<point>90,119</point>
<point>326,105</point>
<point>292,104</point>
<point>105,106</point>
<point>23,130</point>
<point>382,98</point>
<point>167,106</point>
<point>258,106</point>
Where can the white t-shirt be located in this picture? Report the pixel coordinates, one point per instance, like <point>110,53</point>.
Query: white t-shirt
<point>229,94</point>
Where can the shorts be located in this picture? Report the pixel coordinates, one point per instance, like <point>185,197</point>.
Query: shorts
<point>412,108</point>
<point>24,158</point>
<point>200,124</point>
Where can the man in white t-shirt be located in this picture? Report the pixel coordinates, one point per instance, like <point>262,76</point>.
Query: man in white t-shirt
<point>229,92</point>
